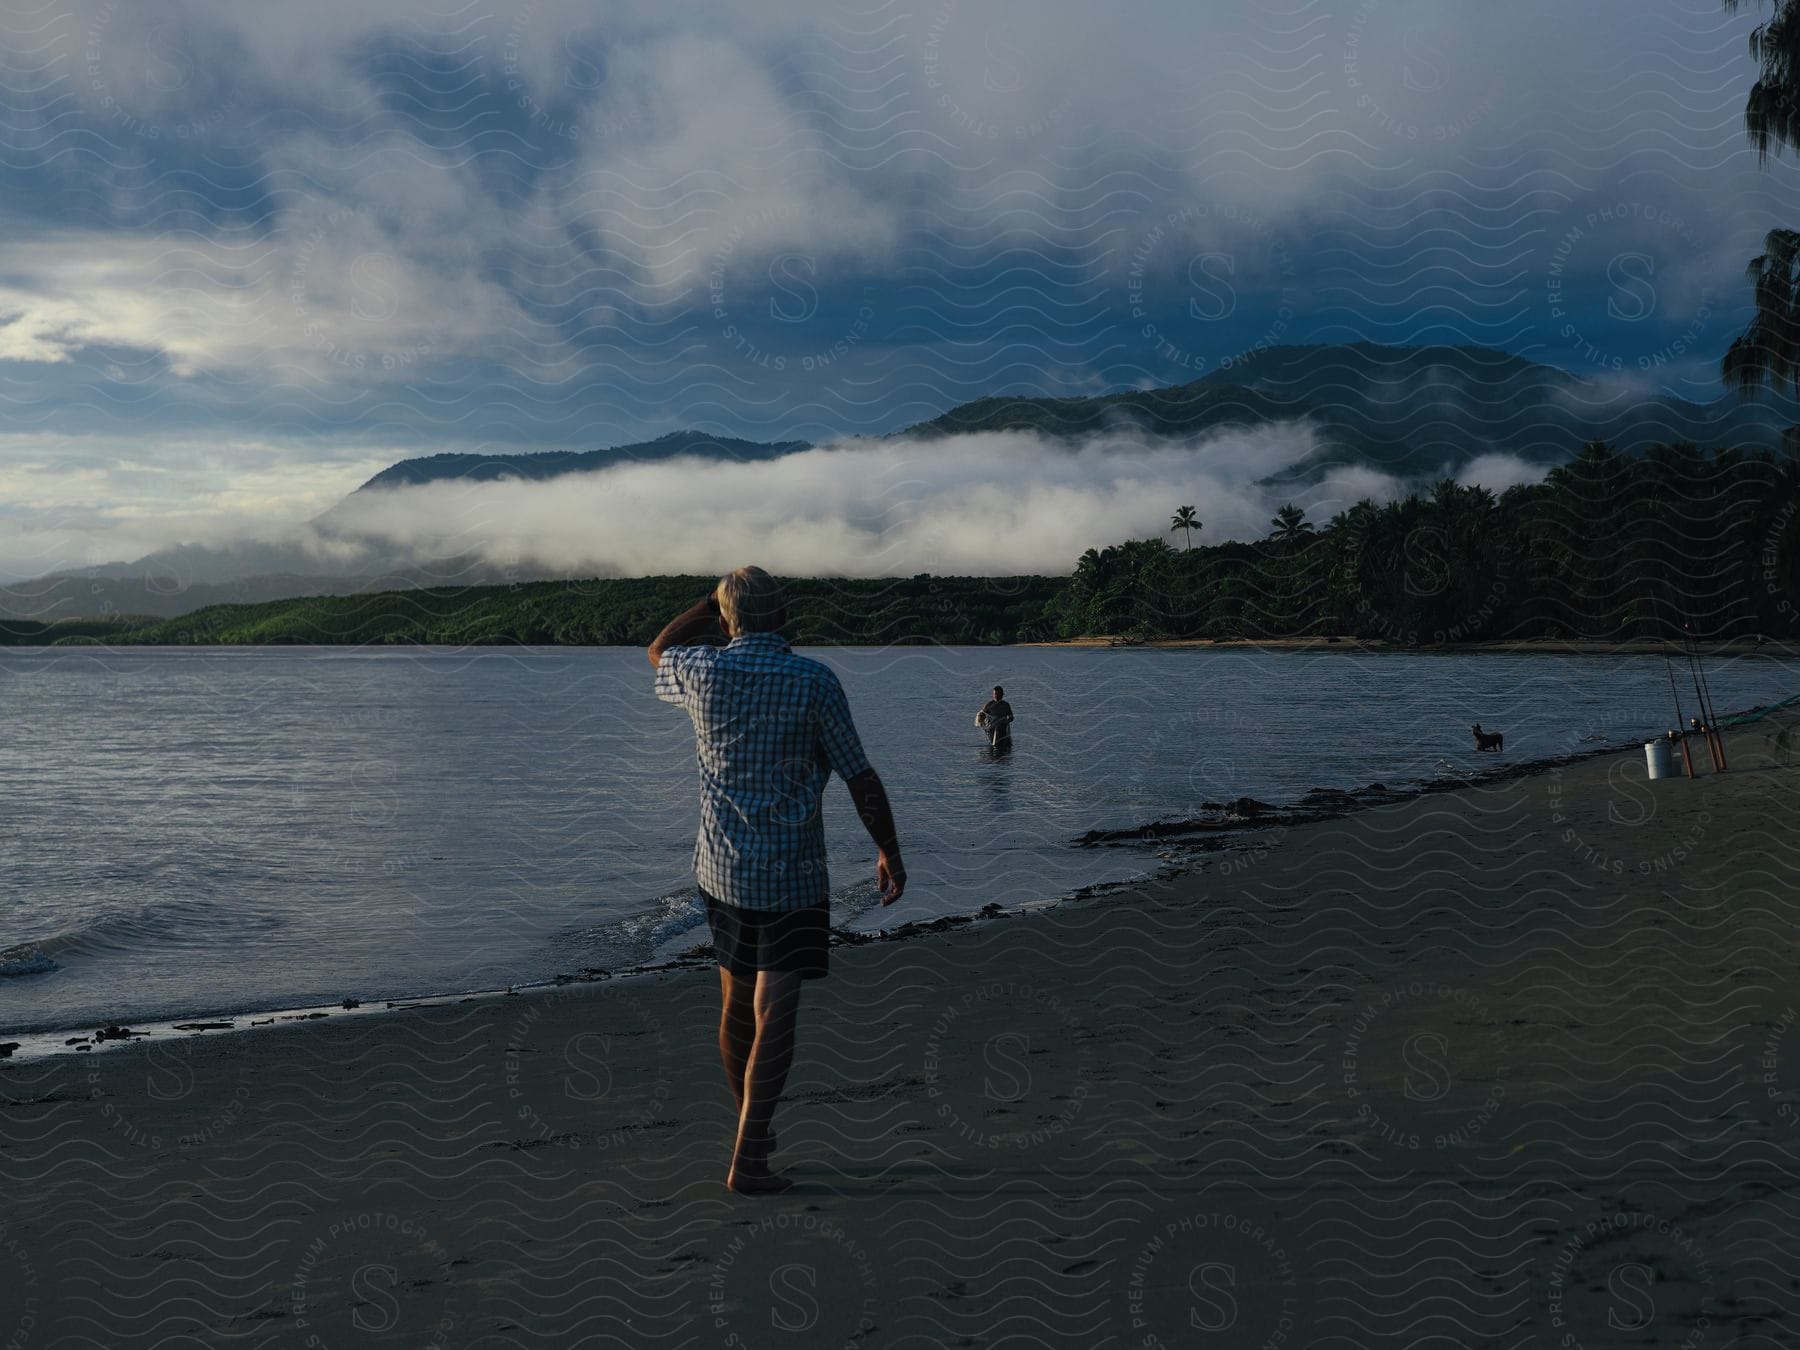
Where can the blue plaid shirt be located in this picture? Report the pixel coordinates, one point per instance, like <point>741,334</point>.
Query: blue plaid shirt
<point>769,727</point>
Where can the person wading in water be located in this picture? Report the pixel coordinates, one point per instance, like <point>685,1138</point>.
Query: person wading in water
<point>996,718</point>
<point>770,728</point>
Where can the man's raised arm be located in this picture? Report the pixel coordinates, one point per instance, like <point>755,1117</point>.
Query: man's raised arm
<point>698,621</point>
<point>877,816</point>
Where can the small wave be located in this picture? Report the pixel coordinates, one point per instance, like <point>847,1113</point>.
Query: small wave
<point>26,959</point>
<point>637,936</point>
<point>677,913</point>
<point>851,902</point>
<point>191,924</point>
<point>680,913</point>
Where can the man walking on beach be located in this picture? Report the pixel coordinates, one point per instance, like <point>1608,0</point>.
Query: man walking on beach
<point>770,727</point>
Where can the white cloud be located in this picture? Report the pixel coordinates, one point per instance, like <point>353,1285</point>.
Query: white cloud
<point>1497,473</point>
<point>184,298</point>
<point>374,276</point>
<point>985,504</point>
<point>715,169</point>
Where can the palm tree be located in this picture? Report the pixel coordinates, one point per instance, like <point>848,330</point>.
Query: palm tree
<point>1771,115</point>
<point>1768,351</point>
<point>1185,519</point>
<point>1290,525</point>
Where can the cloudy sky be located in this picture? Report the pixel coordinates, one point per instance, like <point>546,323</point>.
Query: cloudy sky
<point>251,254</point>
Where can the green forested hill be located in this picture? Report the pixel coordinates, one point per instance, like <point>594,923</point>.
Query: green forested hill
<point>1416,412</point>
<point>59,632</point>
<point>623,611</point>
<point>541,464</point>
<point>1184,410</point>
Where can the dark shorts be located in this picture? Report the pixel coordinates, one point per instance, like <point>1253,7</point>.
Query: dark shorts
<point>748,940</point>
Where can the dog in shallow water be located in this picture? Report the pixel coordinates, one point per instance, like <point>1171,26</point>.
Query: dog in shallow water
<point>1488,740</point>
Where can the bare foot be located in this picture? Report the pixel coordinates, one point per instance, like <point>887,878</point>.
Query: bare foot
<point>764,1182</point>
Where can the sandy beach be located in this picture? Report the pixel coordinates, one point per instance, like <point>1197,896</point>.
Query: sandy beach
<point>1513,1065</point>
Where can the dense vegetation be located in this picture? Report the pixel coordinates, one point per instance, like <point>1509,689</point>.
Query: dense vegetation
<point>1608,546</point>
<point>56,632</point>
<point>628,611</point>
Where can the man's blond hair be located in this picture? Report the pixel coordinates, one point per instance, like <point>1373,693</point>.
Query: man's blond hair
<point>750,601</point>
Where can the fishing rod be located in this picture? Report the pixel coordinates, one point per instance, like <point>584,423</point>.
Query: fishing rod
<point>1680,733</point>
<point>1687,648</point>
<point>1715,739</point>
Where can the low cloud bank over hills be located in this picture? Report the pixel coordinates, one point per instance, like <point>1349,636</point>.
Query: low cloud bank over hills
<point>1003,486</point>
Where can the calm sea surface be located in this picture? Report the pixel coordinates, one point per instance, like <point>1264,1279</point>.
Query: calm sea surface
<point>226,830</point>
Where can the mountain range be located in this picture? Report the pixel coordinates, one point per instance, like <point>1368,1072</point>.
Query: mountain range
<point>1413,412</point>
<point>1408,411</point>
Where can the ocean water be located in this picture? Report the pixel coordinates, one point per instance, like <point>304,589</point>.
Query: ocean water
<point>215,830</point>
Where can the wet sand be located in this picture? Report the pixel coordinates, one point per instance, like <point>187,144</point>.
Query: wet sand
<point>1511,1065</point>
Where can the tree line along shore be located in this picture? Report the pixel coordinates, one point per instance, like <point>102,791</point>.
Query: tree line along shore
<point>1609,548</point>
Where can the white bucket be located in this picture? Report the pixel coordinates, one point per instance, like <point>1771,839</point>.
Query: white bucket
<point>1656,755</point>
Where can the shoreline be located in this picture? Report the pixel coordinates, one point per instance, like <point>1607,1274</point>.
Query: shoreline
<point>1219,834</point>
<point>20,1047</point>
<point>1507,647</point>
<point>1772,647</point>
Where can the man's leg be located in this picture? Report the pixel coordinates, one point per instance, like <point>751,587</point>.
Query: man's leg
<point>777,1007</point>
<point>737,1030</point>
